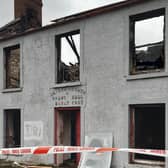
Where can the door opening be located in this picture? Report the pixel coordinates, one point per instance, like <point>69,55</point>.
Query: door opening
<point>67,132</point>
<point>12,128</point>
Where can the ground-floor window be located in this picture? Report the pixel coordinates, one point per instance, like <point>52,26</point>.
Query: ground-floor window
<point>12,128</point>
<point>147,131</point>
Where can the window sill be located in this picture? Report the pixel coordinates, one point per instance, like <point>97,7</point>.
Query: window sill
<point>136,165</point>
<point>12,90</point>
<point>70,84</point>
<point>149,162</point>
<point>146,76</point>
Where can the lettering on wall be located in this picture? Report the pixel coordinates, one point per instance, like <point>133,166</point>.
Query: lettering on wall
<point>33,130</point>
<point>64,97</point>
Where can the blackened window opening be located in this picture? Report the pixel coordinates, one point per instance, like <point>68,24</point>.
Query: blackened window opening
<point>12,128</point>
<point>147,42</point>
<point>68,52</point>
<point>12,67</point>
<point>148,130</point>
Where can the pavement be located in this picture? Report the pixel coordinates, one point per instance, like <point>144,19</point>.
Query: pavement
<point>12,164</point>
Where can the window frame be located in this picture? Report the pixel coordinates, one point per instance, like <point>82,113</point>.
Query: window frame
<point>58,57</point>
<point>140,17</point>
<point>17,89</point>
<point>132,159</point>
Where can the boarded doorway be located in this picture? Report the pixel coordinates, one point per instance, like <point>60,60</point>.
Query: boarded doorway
<point>12,129</point>
<point>67,132</point>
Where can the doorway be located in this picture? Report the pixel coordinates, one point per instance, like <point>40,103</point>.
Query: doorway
<point>12,127</point>
<point>67,132</point>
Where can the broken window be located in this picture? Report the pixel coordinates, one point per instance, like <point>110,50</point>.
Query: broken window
<point>147,42</point>
<point>12,128</point>
<point>68,62</point>
<point>12,67</point>
<point>147,131</point>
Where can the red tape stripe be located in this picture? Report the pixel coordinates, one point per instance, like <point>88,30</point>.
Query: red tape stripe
<point>42,150</point>
<point>102,150</point>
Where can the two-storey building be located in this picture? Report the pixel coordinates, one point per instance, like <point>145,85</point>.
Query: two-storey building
<point>100,71</point>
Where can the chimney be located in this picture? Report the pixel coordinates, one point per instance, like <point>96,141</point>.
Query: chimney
<point>30,10</point>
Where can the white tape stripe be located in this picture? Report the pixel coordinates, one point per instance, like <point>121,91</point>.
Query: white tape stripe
<point>17,151</point>
<point>70,149</point>
<point>162,153</point>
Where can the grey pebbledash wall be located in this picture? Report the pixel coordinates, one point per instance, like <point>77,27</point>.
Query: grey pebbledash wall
<point>105,85</point>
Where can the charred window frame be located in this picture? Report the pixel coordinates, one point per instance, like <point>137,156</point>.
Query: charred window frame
<point>12,67</point>
<point>68,57</point>
<point>147,131</point>
<point>147,56</point>
<point>12,128</point>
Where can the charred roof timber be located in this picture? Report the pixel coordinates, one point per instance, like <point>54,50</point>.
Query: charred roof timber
<point>78,16</point>
<point>28,15</point>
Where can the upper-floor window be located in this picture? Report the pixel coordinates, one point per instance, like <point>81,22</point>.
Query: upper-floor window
<point>12,67</point>
<point>147,42</point>
<point>68,57</point>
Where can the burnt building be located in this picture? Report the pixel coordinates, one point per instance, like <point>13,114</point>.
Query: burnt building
<point>100,71</point>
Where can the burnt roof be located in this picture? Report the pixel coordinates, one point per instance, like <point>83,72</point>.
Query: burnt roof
<point>81,15</point>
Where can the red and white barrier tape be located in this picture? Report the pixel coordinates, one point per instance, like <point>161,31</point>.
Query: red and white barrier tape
<point>76,149</point>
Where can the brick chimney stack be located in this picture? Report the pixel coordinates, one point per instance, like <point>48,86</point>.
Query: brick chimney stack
<point>29,8</point>
<point>28,16</point>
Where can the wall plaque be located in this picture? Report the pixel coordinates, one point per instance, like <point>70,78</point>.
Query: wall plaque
<point>33,130</point>
<point>68,97</point>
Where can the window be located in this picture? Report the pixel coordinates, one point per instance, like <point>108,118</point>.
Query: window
<point>12,128</point>
<point>12,67</point>
<point>147,42</point>
<point>147,131</point>
<point>68,60</point>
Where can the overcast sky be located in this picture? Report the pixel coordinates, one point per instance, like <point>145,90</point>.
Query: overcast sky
<point>53,9</point>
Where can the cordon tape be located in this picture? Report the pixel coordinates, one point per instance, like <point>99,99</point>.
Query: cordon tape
<point>77,149</point>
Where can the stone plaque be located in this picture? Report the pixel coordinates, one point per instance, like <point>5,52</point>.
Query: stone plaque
<point>68,97</point>
<point>33,130</point>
